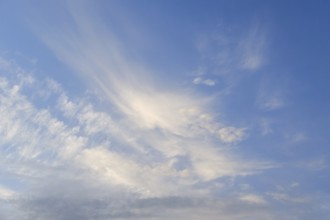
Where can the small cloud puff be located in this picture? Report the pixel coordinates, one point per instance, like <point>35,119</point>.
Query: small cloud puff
<point>272,103</point>
<point>253,199</point>
<point>266,126</point>
<point>6,193</point>
<point>253,49</point>
<point>201,81</point>
<point>232,134</point>
<point>283,197</point>
<point>272,94</point>
<point>298,137</point>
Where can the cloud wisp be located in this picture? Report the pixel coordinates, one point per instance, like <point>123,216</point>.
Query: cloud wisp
<point>167,121</point>
<point>157,152</point>
<point>207,82</point>
<point>53,153</point>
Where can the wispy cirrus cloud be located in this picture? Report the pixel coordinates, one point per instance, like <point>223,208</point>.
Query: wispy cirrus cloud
<point>207,82</point>
<point>272,94</point>
<point>229,51</point>
<point>253,48</point>
<point>271,100</point>
<point>155,143</point>
<point>232,134</point>
<point>137,133</point>
<point>6,193</point>
<point>65,146</point>
<point>155,152</point>
<point>252,198</point>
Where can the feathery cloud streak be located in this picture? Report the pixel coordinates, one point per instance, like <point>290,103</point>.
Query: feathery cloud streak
<point>55,152</point>
<point>169,121</point>
<point>155,152</point>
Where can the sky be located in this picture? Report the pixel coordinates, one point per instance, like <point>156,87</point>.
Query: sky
<point>138,109</point>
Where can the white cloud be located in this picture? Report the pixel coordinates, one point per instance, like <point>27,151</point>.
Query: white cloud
<point>266,126</point>
<point>152,151</point>
<point>75,162</point>
<point>232,134</point>
<point>162,119</point>
<point>297,137</point>
<point>287,198</point>
<point>200,80</point>
<point>314,164</point>
<point>252,198</point>
<point>272,93</point>
<point>6,193</point>
<point>119,151</point>
<point>294,185</point>
<point>153,143</point>
<point>253,49</point>
<point>233,51</point>
<point>272,103</point>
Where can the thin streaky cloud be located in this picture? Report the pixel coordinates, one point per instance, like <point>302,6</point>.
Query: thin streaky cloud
<point>207,82</point>
<point>112,110</point>
<point>49,143</point>
<point>130,87</point>
<point>254,48</point>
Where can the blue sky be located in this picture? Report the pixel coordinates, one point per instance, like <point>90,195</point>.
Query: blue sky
<point>164,110</point>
